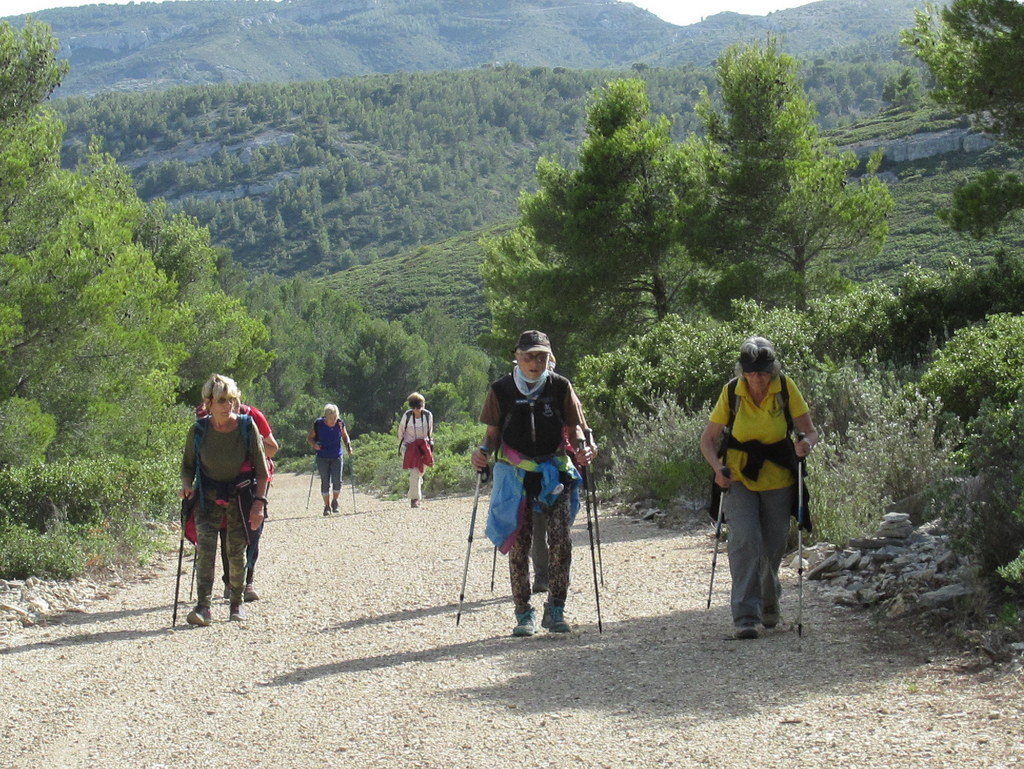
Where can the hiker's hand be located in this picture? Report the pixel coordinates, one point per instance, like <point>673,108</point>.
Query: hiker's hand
<point>479,460</point>
<point>585,454</point>
<point>804,445</point>
<point>186,492</point>
<point>723,477</point>
<point>256,515</point>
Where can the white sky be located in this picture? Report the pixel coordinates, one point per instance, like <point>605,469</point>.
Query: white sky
<point>681,12</point>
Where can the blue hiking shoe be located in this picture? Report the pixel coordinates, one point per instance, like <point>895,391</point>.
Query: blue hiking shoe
<point>555,617</point>
<point>525,624</point>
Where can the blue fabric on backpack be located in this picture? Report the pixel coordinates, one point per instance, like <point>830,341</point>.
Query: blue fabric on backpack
<point>508,498</point>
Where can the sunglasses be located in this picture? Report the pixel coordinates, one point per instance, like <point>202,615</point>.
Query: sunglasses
<point>537,357</point>
<point>224,399</point>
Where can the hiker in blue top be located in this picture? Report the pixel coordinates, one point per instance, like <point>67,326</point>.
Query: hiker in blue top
<point>525,413</point>
<point>326,436</point>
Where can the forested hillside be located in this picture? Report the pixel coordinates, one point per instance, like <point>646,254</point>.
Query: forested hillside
<point>149,46</point>
<point>317,177</point>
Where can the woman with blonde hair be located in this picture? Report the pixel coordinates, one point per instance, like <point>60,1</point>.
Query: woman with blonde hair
<point>217,448</point>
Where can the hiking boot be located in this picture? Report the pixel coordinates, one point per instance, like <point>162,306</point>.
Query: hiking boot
<point>200,616</point>
<point>334,506</point>
<point>327,509</point>
<point>249,594</point>
<point>746,632</point>
<point>525,623</point>
<point>555,616</point>
<point>770,619</point>
<point>237,613</point>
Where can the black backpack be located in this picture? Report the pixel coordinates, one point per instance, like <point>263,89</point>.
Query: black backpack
<point>533,426</point>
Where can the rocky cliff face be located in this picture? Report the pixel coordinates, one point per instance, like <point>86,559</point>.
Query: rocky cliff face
<point>925,145</point>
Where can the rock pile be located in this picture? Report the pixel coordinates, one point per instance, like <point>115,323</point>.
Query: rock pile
<point>902,569</point>
<point>24,603</point>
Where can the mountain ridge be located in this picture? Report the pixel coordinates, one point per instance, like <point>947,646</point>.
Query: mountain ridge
<point>146,46</point>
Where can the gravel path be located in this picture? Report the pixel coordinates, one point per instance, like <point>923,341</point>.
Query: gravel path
<point>352,658</point>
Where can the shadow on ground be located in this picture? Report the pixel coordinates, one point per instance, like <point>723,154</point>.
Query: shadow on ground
<point>679,664</point>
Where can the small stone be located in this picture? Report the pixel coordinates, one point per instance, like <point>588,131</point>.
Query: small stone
<point>39,604</point>
<point>944,596</point>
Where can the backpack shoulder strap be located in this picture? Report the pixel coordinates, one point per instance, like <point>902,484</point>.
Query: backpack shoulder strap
<point>197,441</point>
<point>784,397</point>
<point>245,422</point>
<point>734,403</point>
<point>200,434</point>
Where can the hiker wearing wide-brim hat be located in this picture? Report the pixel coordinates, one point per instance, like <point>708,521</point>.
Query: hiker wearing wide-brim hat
<point>525,412</point>
<point>747,443</point>
<point>217,449</point>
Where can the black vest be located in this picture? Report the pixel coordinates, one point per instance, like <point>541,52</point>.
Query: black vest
<point>532,426</point>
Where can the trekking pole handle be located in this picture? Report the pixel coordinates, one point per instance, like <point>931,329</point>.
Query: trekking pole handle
<point>799,437</point>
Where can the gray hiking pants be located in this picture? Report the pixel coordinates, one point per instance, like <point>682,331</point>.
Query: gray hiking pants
<point>758,531</point>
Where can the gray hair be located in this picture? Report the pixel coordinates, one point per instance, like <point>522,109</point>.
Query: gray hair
<point>329,409</point>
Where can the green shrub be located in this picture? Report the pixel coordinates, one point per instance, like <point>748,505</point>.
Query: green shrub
<point>659,457</point>
<point>61,518</point>
<point>84,492</point>
<point>985,516</point>
<point>880,443</point>
<point>25,431</point>
<point>979,362</point>
<point>379,465</point>
<point>27,553</point>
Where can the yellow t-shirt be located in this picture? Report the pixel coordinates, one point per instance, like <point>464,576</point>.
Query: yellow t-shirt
<point>764,422</point>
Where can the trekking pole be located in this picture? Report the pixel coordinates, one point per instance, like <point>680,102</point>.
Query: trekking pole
<point>181,555</point>
<point>352,478</point>
<point>469,544</point>
<point>800,513</point>
<point>494,566</point>
<point>590,489</point>
<point>593,555</point>
<point>309,496</point>
<point>718,533</point>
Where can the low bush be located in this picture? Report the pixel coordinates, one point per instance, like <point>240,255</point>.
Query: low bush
<point>985,515</point>
<point>25,553</point>
<point>61,518</point>
<point>379,464</point>
<point>659,457</point>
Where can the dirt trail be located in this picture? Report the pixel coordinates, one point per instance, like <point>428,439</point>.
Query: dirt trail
<point>352,658</point>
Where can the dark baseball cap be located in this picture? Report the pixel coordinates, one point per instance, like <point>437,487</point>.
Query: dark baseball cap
<point>757,360</point>
<point>533,341</point>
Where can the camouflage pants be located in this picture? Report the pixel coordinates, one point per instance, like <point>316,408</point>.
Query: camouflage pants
<point>208,521</point>
<point>559,553</point>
